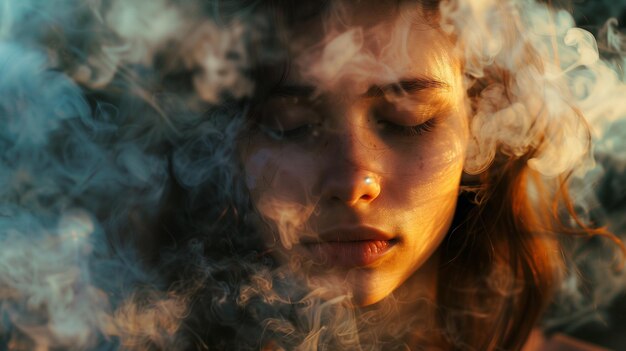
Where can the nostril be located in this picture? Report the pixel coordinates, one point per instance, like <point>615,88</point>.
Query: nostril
<point>350,185</point>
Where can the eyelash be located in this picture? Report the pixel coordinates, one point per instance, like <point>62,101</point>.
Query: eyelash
<point>409,131</point>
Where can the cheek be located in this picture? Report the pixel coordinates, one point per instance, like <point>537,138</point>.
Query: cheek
<point>279,184</point>
<point>423,198</point>
<point>279,173</point>
<point>431,169</point>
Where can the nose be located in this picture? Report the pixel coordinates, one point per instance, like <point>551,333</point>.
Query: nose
<point>350,176</point>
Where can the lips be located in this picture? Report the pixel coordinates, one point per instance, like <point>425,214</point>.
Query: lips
<point>350,247</point>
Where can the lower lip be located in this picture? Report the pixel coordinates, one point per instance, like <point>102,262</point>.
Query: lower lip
<point>350,253</point>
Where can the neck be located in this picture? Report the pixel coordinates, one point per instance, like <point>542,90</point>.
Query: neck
<point>408,315</point>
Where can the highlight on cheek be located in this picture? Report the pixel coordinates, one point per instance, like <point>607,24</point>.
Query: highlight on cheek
<point>312,175</point>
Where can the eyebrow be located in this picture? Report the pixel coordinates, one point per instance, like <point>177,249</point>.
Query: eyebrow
<point>408,86</point>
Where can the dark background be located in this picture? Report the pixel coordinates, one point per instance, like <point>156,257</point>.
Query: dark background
<point>610,329</point>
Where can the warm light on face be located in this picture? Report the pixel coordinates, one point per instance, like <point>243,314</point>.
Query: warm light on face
<point>355,159</point>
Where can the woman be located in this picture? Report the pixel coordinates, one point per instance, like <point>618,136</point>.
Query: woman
<point>329,175</point>
<point>352,151</point>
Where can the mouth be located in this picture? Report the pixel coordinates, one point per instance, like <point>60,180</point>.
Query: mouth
<point>350,247</point>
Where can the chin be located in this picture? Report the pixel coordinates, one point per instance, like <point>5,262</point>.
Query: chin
<point>363,299</point>
<point>361,284</point>
<point>367,288</point>
<point>364,287</point>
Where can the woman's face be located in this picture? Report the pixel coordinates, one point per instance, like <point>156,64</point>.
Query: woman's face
<point>355,158</point>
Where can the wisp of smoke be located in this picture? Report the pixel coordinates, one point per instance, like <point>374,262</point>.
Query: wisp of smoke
<point>109,108</point>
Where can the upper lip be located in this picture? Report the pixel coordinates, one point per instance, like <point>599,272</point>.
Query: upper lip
<point>351,233</point>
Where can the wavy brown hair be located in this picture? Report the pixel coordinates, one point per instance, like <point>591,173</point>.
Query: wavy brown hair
<point>502,262</point>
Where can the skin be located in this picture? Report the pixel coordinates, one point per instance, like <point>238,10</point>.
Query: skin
<point>339,121</point>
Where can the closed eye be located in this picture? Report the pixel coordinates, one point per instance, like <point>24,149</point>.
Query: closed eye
<point>298,133</point>
<point>408,131</point>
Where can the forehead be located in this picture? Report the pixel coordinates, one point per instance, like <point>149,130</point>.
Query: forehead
<point>355,45</point>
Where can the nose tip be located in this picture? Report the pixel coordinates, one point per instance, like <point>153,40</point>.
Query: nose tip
<point>353,187</point>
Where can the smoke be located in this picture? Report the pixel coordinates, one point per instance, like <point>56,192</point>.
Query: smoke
<point>512,113</point>
<point>112,109</point>
<point>578,75</point>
